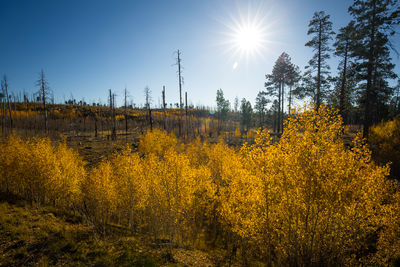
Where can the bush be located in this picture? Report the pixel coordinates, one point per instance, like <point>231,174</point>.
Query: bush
<point>384,140</point>
<point>308,200</point>
<point>40,172</point>
<point>157,142</point>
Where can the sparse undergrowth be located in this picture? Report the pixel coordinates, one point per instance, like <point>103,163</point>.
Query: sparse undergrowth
<point>46,237</point>
<point>49,237</point>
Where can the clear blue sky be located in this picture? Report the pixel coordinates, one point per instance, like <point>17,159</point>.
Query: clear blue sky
<point>86,47</point>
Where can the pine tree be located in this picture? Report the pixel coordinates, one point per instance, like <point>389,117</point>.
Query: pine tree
<point>222,107</point>
<point>394,107</point>
<point>247,112</point>
<point>293,79</point>
<point>343,47</point>
<point>282,74</point>
<point>274,111</point>
<point>260,106</point>
<point>320,27</point>
<point>236,104</point>
<point>374,23</point>
<point>343,97</point>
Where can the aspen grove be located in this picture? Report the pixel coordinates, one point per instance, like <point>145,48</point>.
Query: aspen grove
<point>305,200</point>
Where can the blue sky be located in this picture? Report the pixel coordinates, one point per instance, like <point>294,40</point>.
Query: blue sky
<point>86,47</point>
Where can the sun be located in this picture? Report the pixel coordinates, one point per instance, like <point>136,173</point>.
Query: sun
<point>248,38</point>
<point>249,34</point>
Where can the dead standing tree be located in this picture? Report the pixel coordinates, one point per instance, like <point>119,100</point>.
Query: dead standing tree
<point>147,94</point>
<point>100,119</point>
<point>164,107</point>
<point>112,116</point>
<point>186,116</point>
<point>4,86</point>
<point>3,109</point>
<point>178,62</point>
<point>43,94</point>
<point>126,112</point>
<point>95,124</point>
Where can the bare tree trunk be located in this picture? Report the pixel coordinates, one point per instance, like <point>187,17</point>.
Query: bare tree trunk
<point>15,109</point>
<point>343,89</point>
<point>319,66</point>
<point>43,87</point>
<point>180,93</point>
<point>101,121</point>
<point>110,99</point>
<point>150,120</point>
<point>5,86</point>
<point>279,108</point>
<point>369,88</point>
<point>282,104</point>
<point>187,119</point>
<point>290,100</point>
<point>3,103</point>
<point>3,124</point>
<point>126,114</point>
<point>112,116</point>
<point>164,106</point>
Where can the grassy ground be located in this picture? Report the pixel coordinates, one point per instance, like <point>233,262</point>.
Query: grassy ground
<point>49,237</point>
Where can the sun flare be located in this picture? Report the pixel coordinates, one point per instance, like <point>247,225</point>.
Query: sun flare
<point>248,38</point>
<point>249,33</point>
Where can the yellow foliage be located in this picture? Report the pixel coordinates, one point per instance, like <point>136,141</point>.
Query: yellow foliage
<point>57,113</point>
<point>305,200</point>
<point>309,200</point>
<point>249,134</point>
<point>157,142</point>
<point>238,134</point>
<point>130,184</point>
<point>119,117</point>
<point>40,171</point>
<point>197,151</point>
<point>384,139</point>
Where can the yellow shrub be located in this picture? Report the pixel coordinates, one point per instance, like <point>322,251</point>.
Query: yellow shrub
<point>238,133</point>
<point>308,199</point>
<point>12,165</point>
<point>175,191</point>
<point>130,183</point>
<point>40,171</point>
<point>384,140</point>
<point>249,134</point>
<point>157,142</point>
<point>197,152</point>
